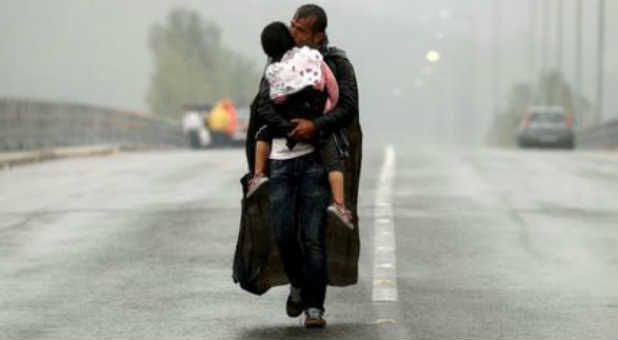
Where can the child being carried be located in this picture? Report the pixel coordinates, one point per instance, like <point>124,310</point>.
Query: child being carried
<point>299,78</point>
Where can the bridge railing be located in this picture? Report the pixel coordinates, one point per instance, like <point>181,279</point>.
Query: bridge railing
<point>602,136</point>
<point>29,124</point>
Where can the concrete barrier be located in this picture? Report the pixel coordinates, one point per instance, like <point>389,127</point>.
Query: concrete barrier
<point>30,125</point>
<point>603,136</point>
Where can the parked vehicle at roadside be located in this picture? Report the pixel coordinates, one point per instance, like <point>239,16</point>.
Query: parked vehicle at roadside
<point>240,134</point>
<point>546,126</point>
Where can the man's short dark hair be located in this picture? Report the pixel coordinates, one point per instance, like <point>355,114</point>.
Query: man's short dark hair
<point>313,11</point>
<point>276,40</point>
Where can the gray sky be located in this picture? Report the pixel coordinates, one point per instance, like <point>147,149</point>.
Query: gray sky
<point>95,51</point>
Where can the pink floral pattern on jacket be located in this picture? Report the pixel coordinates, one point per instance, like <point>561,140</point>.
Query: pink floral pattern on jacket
<point>299,68</point>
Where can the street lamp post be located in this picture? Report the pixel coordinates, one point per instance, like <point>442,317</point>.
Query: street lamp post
<point>600,61</point>
<point>532,39</point>
<point>545,21</point>
<point>496,9</point>
<point>578,62</point>
<point>559,33</point>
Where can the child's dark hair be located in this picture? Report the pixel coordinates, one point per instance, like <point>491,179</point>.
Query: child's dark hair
<point>276,40</point>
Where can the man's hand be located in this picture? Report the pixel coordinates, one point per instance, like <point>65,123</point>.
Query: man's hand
<point>304,130</point>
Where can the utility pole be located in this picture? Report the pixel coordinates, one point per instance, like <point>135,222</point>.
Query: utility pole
<point>559,33</point>
<point>600,62</point>
<point>578,64</point>
<point>532,40</point>
<point>544,47</point>
<point>496,10</point>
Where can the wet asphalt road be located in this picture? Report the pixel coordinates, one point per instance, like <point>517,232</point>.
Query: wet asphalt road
<point>489,244</point>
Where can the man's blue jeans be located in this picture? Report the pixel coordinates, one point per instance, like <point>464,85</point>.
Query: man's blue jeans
<point>299,189</point>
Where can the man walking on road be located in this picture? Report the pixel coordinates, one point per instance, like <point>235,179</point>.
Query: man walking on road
<point>299,190</point>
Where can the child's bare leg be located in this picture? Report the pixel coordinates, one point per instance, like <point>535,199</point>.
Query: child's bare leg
<point>262,150</point>
<point>335,178</point>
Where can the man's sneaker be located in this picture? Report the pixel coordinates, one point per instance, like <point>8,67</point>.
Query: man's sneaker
<point>314,319</point>
<point>294,306</point>
<point>256,183</point>
<point>342,214</point>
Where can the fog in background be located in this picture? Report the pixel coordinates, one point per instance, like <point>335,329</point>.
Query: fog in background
<point>96,52</point>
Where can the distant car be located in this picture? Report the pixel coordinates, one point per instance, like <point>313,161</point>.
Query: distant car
<point>242,124</point>
<point>546,126</point>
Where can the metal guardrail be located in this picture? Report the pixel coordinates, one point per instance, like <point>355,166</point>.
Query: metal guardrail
<point>603,136</point>
<point>28,125</point>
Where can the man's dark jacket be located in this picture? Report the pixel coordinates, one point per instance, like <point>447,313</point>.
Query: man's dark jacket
<point>257,265</point>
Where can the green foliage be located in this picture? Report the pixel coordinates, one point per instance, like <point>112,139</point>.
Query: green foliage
<point>193,66</point>
<point>504,124</point>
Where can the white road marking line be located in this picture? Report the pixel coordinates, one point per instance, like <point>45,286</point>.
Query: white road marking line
<point>386,265</point>
<point>385,321</point>
<point>385,281</point>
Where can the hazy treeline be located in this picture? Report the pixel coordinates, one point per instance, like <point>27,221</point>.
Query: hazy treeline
<point>194,66</point>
